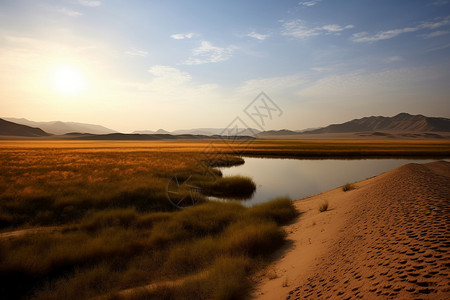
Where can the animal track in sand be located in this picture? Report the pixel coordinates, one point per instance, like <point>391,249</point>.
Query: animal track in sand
<point>394,247</point>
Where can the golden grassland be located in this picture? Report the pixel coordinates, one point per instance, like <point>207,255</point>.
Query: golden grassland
<point>115,229</point>
<point>278,148</point>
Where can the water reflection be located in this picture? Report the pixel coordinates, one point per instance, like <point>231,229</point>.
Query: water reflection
<point>302,178</point>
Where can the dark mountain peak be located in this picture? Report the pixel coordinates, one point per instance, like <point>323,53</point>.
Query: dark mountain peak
<point>402,122</point>
<point>13,129</point>
<point>406,116</point>
<point>402,115</point>
<point>277,132</point>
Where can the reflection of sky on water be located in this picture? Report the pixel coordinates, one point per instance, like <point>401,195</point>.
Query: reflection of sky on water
<point>302,178</point>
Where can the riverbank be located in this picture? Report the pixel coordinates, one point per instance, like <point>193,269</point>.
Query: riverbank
<point>387,238</point>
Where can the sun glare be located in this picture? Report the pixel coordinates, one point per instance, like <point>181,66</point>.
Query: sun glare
<point>68,80</point>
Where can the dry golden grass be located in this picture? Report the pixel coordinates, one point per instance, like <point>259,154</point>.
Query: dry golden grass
<point>256,147</point>
<point>116,250</point>
<point>42,186</point>
<point>348,187</point>
<point>119,231</point>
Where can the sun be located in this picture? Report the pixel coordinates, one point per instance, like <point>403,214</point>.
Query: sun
<point>68,80</point>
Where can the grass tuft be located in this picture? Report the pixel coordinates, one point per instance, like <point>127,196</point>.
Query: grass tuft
<point>348,187</point>
<point>236,187</point>
<point>323,207</point>
<point>280,210</point>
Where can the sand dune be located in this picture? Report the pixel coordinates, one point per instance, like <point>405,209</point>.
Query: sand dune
<point>389,239</point>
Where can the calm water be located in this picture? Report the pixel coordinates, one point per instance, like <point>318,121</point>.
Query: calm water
<point>302,178</point>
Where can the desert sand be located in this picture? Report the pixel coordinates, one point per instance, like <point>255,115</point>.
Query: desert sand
<point>389,238</point>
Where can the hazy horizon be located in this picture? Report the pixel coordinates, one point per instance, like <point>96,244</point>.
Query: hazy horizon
<point>146,65</point>
<point>16,120</point>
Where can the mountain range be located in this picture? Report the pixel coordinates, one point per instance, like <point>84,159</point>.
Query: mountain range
<point>58,127</point>
<point>402,122</point>
<point>12,129</point>
<point>402,125</point>
<point>203,131</point>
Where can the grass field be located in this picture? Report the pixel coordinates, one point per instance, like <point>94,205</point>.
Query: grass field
<point>278,148</point>
<point>113,228</point>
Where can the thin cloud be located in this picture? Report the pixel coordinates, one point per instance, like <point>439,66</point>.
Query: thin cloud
<point>207,53</point>
<point>169,74</point>
<point>440,2</point>
<point>182,36</point>
<point>68,12</point>
<point>298,29</point>
<point>320,69</point>
<point>362,37</point>
<point>391,59</point>
<point>309,3</point>
<point>173,84</point>
<point>336,28</point>
<point>434,25</point>
<point>274,84</point>
<point>396,84</point>
<point>136,52</point>
<point>258,36</point>
<point>435,34</point>
<point>90,3</point>
<point>439,48</point>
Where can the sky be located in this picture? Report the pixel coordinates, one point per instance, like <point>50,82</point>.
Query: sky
<point>144,65</point>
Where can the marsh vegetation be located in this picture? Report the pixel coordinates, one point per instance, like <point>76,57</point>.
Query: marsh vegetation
<point>113,230</point>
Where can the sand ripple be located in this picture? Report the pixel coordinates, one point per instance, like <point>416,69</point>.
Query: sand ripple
<point>394,244</point>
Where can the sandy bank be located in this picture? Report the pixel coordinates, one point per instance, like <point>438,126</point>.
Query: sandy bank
<point>388,238</point>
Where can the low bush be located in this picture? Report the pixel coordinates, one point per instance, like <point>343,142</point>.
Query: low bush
<point>280,210</point>
<point>236,187</point>
<point>252,238</point>
<point>112,250</point>
<point>348,187</point>
<point>323,207</point>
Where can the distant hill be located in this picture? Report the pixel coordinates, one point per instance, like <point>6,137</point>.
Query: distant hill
<point>218,131</point>
<point>143,132</point>
<point>203,131</point>
<point>145,137</point>
<point>59,128</point>
<point>401,126</point>
<point>278,132</point>
<point>400,123</point>
<point>12,129</point>
<point>162,131</point>
<point>159,131</point>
